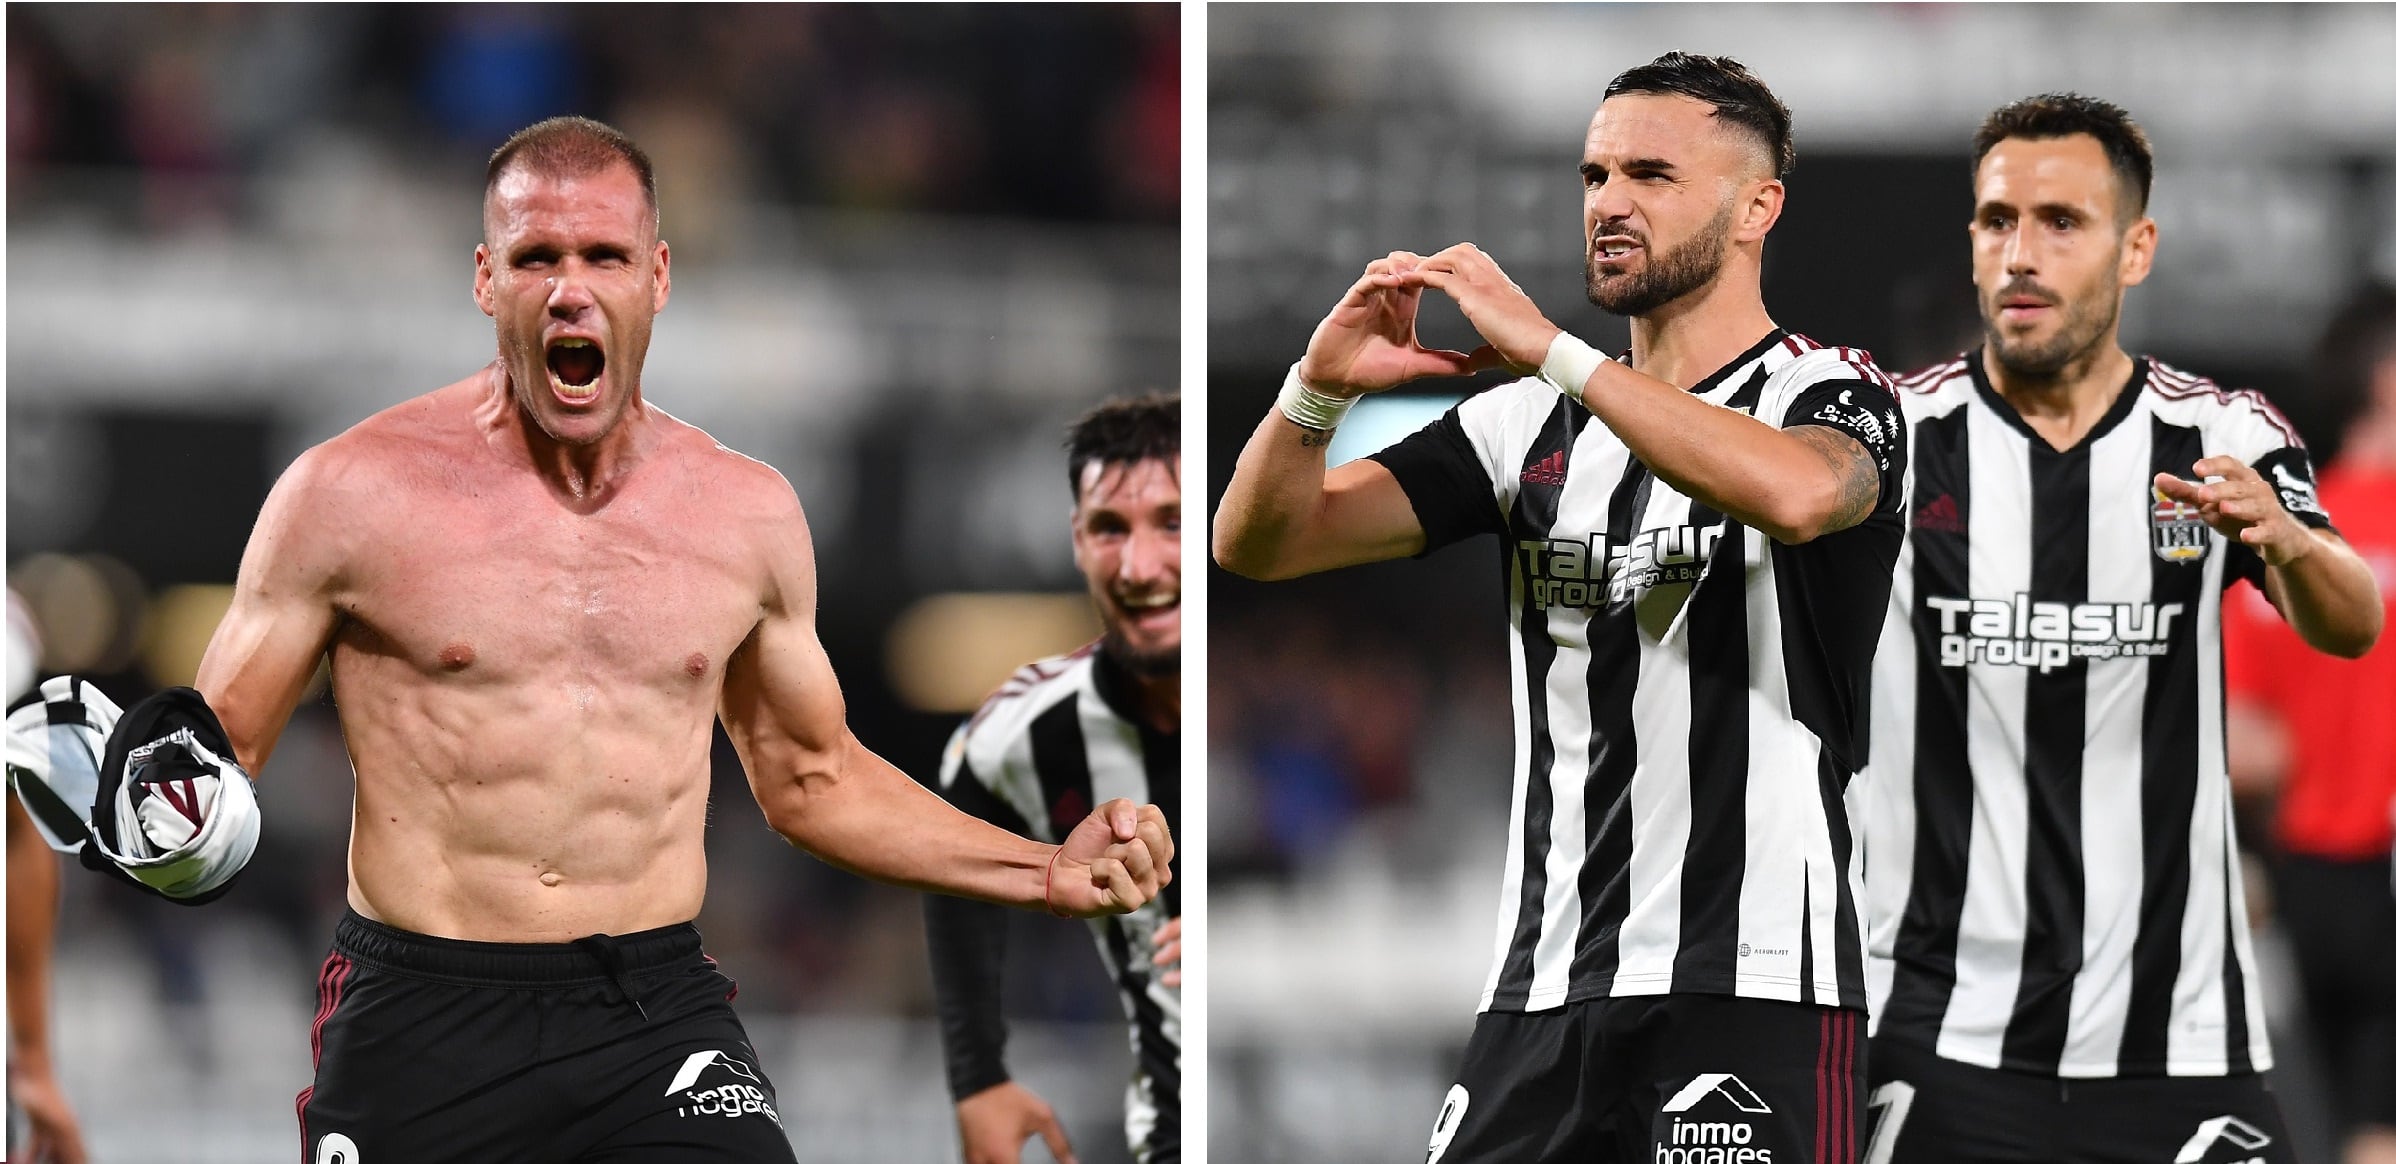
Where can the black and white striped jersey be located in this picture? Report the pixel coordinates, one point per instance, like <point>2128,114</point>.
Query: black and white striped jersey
<point>1057,739</point>
<point>2045,825</point>
<point>1688,694</point>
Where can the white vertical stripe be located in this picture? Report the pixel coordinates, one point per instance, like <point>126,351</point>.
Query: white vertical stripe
<point>1580,506</point>
<point>1772,895</point>
<point>1567,831</point>
<point>1988,956</point>
<point>1660,784</point>
<point>1510,876</point>
<point>2258,1035</point>
<point>2121,563</point>
<point>2198,1039</point>
<point>1112,744</point>
<point>1880,798</point>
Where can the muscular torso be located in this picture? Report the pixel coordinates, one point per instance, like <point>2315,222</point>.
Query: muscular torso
<point>528,685</point>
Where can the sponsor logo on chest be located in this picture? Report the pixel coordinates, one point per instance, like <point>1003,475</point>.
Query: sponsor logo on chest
<point>2017,632</point>
<point>1559,572</point>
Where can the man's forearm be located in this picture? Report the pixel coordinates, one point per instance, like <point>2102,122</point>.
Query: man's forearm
<point>872,820</point>
<point>1762,477</point>
<point>32,925</point>
<point>1274,491</point>
<point>2329,598</point>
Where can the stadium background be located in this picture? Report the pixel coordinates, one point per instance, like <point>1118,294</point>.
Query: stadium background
<point>909,247</point>
<point>1359,733</point>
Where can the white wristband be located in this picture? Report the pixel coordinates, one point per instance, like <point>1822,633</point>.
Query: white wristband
<point>1569,364</point>
<point>1308,408</point>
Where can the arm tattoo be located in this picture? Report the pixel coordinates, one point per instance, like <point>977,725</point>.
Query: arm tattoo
<point>1309,438</point>
<point>1859,477</point>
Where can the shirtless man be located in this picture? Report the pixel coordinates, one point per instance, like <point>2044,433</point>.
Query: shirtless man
<point>539,592</point>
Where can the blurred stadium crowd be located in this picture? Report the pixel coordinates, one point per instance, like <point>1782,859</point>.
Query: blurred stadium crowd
<point>910,246</point>
<point>1360,732</point>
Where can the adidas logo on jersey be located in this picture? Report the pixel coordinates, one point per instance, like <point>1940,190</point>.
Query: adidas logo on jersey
<point>1549,471</point>
<point>1941,515</point>
<point>1714,1141</point>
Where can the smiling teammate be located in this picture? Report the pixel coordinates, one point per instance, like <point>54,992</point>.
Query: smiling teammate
<point>1104,721</point>
<point>539,593</point>
<point>1697,546</point>
<point>2060,962</point>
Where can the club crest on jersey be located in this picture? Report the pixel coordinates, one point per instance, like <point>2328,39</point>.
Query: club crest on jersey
<point>2181,536</point>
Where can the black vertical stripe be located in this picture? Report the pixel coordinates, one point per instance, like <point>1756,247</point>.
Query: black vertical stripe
<point>1160,1056</point>
<point>1061,759</point>
<point>1715,865</point>
<point>1942,773</point>
<point>2167,779</point>
<point>1532,519</point>
<point>1805,944</point>
<point>2054,735</point>
<point>1831,777</point>
<point>1605,881</point>
<point>1160,763</point>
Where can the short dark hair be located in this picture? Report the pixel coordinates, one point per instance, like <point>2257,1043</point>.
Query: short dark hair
<point>1738,97</point>
<point>1123,431</point>
<point>2052,115</point>
<point>571,147</point>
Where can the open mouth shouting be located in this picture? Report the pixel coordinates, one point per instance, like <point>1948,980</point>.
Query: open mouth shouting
<point>575,363</point>
<point>1613,249</point>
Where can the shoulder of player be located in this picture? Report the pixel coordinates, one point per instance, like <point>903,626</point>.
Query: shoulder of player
<point>1530,392</point>
<point>738,484</point>
<point>1032,689</point>
<point>2187,398</point>
<point>1813,363</point>
<point>1799,365</point>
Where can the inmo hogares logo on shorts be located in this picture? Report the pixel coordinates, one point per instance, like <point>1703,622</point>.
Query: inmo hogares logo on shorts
<point>1726,1139</point>
<point>735,1089</point>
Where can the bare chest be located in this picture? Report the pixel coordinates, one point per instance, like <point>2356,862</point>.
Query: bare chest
<point>486,590</point>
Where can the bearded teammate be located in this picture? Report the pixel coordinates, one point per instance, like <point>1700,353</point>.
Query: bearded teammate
<point>538,593</point>
<point>1102,721</point>
<point>2060,961</point>
<point>1697,544</point>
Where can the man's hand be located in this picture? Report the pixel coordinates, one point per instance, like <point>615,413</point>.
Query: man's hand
<point>1115,861</point>
<point>1168,951</point>
<point>53,1137</point>
<point>2243,507</point>
<point>1367,343</point>
<point>995,1122</point>
<point>1518,333</point>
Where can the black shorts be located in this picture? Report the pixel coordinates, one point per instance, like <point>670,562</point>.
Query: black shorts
<point>618,1049</point>
<point>1929,1110</point>
<point>1672,1079</point>
<point>2340,916</point>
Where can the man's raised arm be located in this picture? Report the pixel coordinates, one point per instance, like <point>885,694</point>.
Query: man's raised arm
<point>828,794</point>
<point>1283,514</point>
<point>282,617</point>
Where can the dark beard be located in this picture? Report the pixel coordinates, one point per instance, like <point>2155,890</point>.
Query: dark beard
<point>2084,324</point>
<point>1141,664</point>
<point>1666,277</point>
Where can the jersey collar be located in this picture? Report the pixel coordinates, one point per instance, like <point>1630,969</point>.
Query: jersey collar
<point>2117,412</point>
